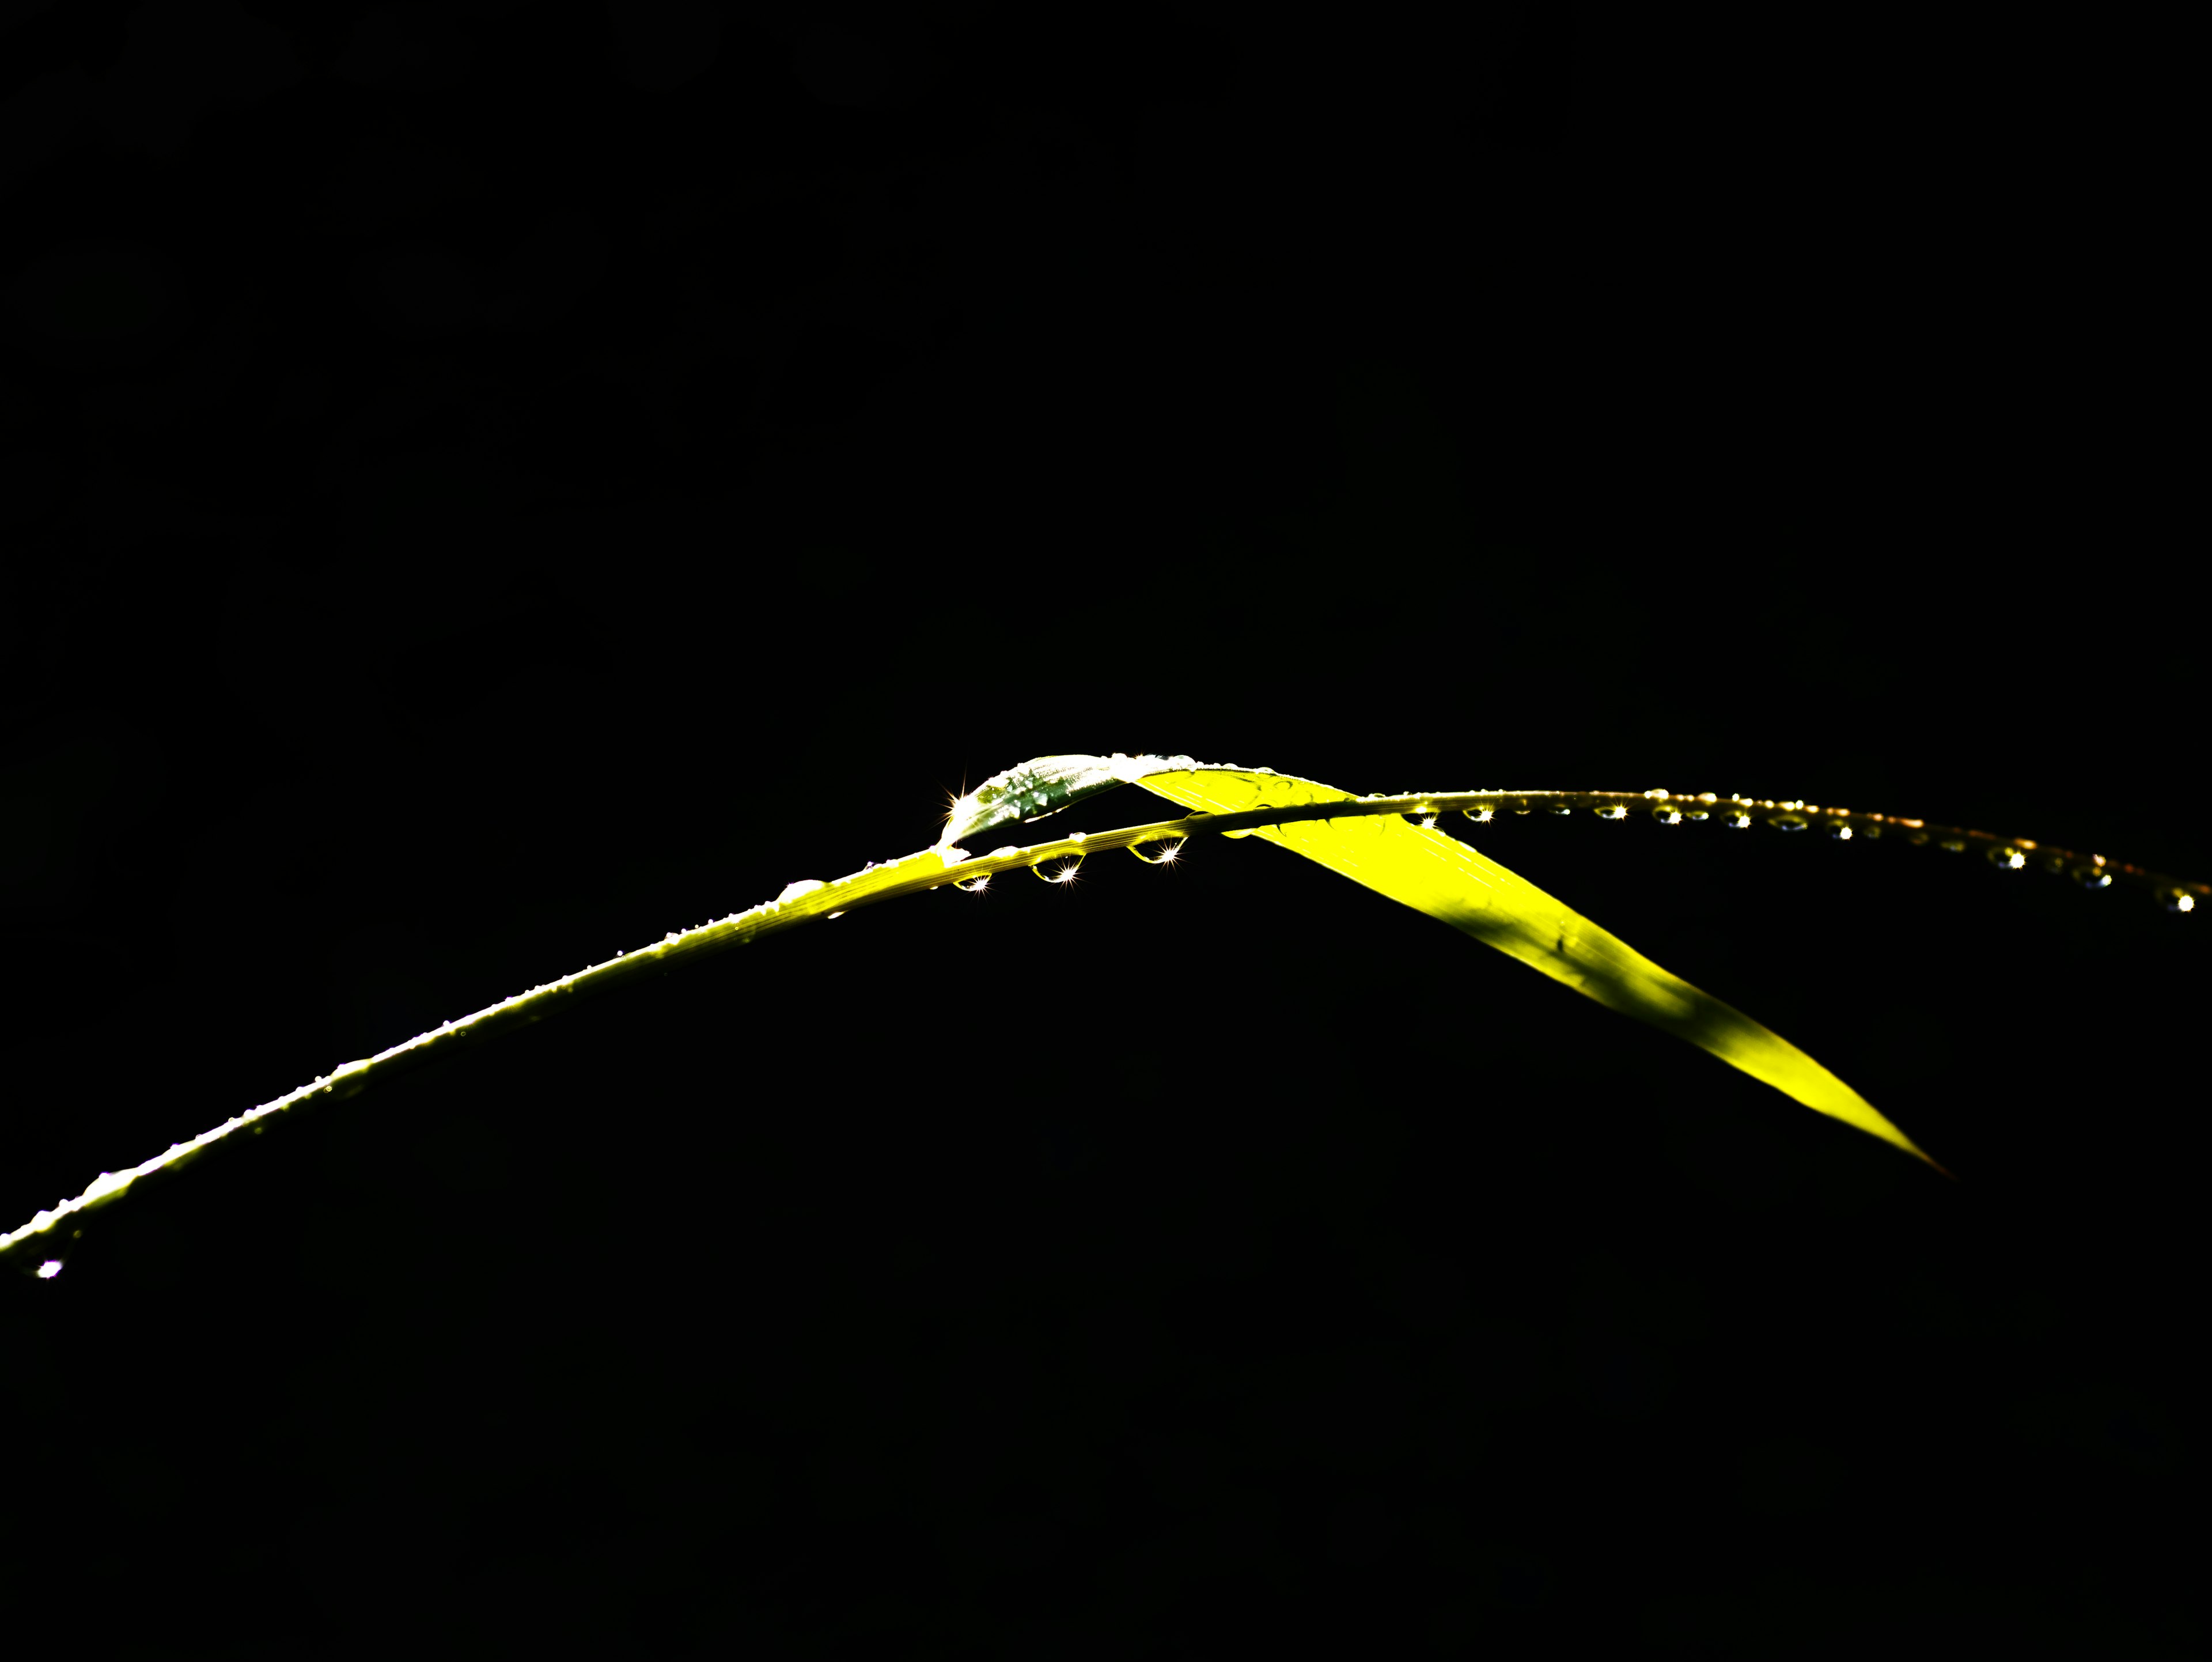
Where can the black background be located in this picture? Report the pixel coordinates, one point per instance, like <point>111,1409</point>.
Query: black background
<point>486,484</point>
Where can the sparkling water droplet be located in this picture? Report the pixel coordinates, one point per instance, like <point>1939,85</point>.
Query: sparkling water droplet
<point>972,885</point>
<point>1610,811</point>
<point>1655,796</point>
<point>1063,870</point>
<point>2090,877</point>
<point>1666,814</point>
<point>2179,900</point>
<point>792,890</point>
<point>1952,845</point>
<point>1170,847</point>
<point>1738,818</point>
<point>1789,822</point>
<point>2007,858</point>
<point>1841,830</point>
<point>1558,807</point>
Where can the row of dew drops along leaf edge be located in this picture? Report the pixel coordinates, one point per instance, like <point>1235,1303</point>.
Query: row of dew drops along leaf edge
<point>2014,854</point>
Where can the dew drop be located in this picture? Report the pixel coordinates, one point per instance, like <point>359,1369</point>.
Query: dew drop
<point>2179,900</point>
<point>1841,830</point>
<point>1789,822</point>
<point>1173,850</point>
<point>792,890</point>
<point>2005,858</point>
<point>1664,815</point>
<point>2090,877</point>
<point>1558,807</point>
<point>1952,845</point>
<point>1738,818</point>
<point>973,885</point>
<point>1063,870</point>
<point>1610,811</point>
<point>1655,796</point>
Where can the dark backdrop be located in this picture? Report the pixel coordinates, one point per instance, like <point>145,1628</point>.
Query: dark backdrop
<point>487,484</point>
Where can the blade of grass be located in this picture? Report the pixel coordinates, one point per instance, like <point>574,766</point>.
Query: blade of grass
<point>1422,868</point>
<point>1363,838</point>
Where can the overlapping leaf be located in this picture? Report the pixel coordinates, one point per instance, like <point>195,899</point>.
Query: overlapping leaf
<point>1437,874</point>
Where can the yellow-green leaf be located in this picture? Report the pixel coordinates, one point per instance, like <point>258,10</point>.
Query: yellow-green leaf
<point>1436,874</point>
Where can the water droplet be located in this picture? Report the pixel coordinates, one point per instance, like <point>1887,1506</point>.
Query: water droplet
<point>1665,814</point>
<point>1558,807</point>
<point>1789,822</point>
<point>1062,871</point>
<point>1655,796</point>
<point>792,890</point>
<point>1237,833</point>
<point>1738,818</point>
<point>2090,877</point>
<point>2179,900</point>
<point>1610,811</point>
<point>1841,830</point>
<point>973,885</point>
<point>2005,858</point>
<point>1481,812</point>
<point>1170,848</point>
<point>1952,845</point>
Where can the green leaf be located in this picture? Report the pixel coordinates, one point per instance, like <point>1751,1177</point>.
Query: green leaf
<point>1435,874</point>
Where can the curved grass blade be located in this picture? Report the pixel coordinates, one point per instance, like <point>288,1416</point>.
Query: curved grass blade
<point>1451,882</point>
